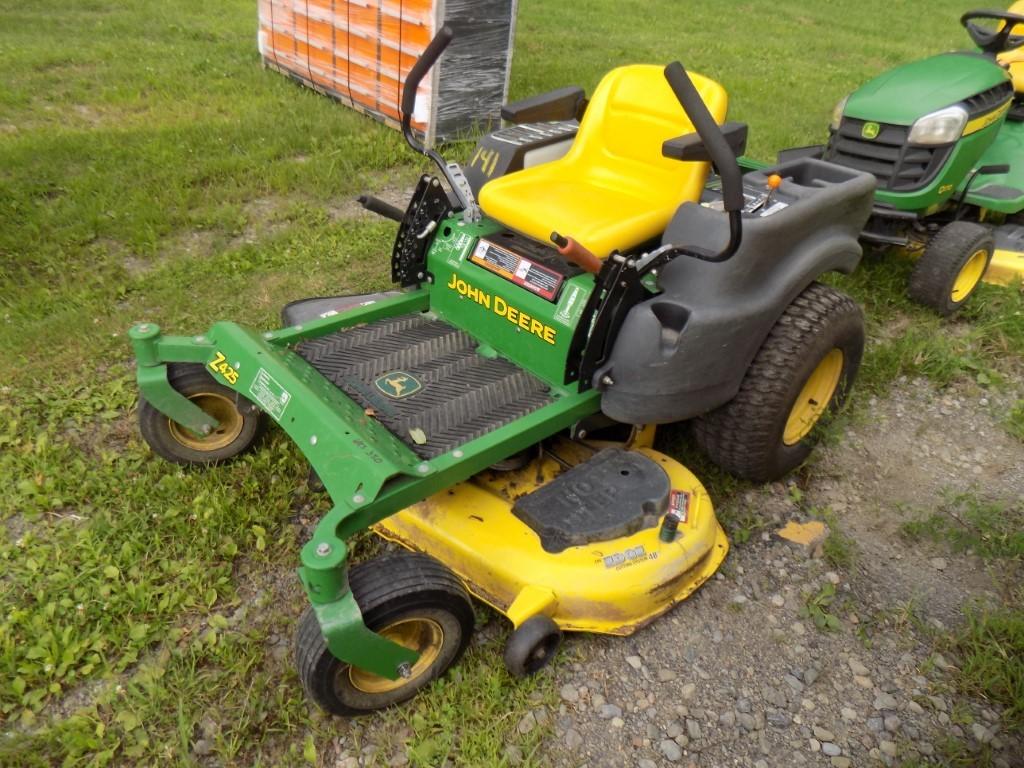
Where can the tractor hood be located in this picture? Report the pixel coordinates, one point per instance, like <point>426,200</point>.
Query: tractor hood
<point>907,93</point>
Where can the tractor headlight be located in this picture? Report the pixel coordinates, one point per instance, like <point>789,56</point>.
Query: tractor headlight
<point>837,113</point>
<point>942,127</point>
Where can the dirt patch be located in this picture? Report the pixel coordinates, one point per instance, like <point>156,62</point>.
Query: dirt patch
<point>193,242</point>
<point>740,675</point>
<point>919,447</point>
<point>265,217</point>
<point>920,443</point>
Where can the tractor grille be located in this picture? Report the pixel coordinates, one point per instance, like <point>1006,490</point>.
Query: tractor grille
<point>897,165</point>
<point>988,100</point>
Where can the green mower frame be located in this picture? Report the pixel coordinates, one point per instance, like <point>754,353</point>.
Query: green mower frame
<point>331,428</point>
<point>563,344</point>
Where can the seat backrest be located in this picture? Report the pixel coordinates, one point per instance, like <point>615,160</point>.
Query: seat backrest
<point>1018,8</point>
<point>632,112</point>
<point>1015,68</point>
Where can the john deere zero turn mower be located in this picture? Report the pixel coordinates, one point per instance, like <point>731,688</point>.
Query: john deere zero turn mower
<point>945,138</point>
<point>490,415</point>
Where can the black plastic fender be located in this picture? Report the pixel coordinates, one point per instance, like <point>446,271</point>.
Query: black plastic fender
<point>684,351</point>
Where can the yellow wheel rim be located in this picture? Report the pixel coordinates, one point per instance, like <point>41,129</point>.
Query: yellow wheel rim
<point>223,410</point>
<point>814,397</point>
<point>969,276</point>
<point>424,636</point>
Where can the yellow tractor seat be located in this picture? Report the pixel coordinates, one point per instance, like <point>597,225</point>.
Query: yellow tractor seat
<point>613,190</point>
<point>1013,59</point>
<point>1015,66</point>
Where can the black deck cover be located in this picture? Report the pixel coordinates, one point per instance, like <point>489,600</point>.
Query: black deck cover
<point>615,493</point>
<point>420,374</point>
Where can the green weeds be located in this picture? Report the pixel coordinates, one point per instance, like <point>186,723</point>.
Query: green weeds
<point>838,549</point>
<point>968,523</point>
<point>816,608</point>
<point>991,648</point>
<point>1015,421</point>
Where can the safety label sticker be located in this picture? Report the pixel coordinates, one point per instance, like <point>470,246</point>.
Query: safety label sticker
<point>679,505</point>
<point>457,249</point>
<point>519,269</point>
<point>271,396</point>
<point>570,306</point>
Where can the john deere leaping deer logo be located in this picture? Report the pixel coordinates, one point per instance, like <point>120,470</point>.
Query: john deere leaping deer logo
<point>398,384</point>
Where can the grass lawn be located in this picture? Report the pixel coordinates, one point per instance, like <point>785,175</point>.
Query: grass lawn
<point>151,169</point>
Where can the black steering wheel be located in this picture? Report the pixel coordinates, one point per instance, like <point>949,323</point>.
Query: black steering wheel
<point>994,40</point>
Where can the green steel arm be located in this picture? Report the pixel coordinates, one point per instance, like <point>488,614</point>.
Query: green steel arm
<point>152,352</point>
<point>354,453</point>
<point>403,304</point>
<point>368,472</point>
<point>322,577</point>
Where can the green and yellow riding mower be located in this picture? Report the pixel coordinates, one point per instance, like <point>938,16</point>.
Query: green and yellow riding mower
<point>945,138</point>
<point>494,415</point>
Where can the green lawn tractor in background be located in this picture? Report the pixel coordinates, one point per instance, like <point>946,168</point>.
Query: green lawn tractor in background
<point>944,136</point>
<point>495,413</point>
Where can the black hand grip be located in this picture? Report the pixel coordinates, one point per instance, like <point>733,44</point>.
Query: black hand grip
<point>420,68</point>
<point>992,41</point>
<point>381,208</point>
<point>710,134</point>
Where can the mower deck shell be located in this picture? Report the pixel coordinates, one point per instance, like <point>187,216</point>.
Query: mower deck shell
<point>1007,265</point>
<point>612,587</point>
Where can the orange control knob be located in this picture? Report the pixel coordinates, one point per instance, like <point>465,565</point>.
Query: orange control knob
<point>576,253</point>
<point>774,181</point>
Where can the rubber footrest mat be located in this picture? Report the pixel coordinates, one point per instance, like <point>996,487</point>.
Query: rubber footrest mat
<point>423,377</point>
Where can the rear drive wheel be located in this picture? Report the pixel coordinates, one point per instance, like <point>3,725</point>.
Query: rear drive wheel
<point>240,423</point>
<point>408,598</point>
<point>802,372</point>
<point>952,266</point>
<point>532,646</point>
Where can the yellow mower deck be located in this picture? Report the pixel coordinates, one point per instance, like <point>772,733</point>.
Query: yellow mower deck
<point>1007,266</point>
<point>610,587</point>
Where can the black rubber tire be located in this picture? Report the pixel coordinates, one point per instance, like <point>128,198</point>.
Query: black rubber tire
<point>936,271</point>
<point>532,646</point>
<point>387,589</point>
<point>745,436</point>
<point>191,380</point>
<point>516,461</point>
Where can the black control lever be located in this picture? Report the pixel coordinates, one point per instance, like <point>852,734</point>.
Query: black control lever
<point>452,172</point>
<point>381,208</point>
<point>423,65</point>
<point>722,157</point>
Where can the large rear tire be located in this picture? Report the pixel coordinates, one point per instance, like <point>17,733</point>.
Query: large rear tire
<point>801,374</point>
<point>409,598</point>
<point>951,267</point>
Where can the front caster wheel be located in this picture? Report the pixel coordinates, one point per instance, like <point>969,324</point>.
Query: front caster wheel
<point>802,372</point>
<point>410,599</point>
<point>532,646</point>
<point>240,422</point>
<point>952,266</point>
